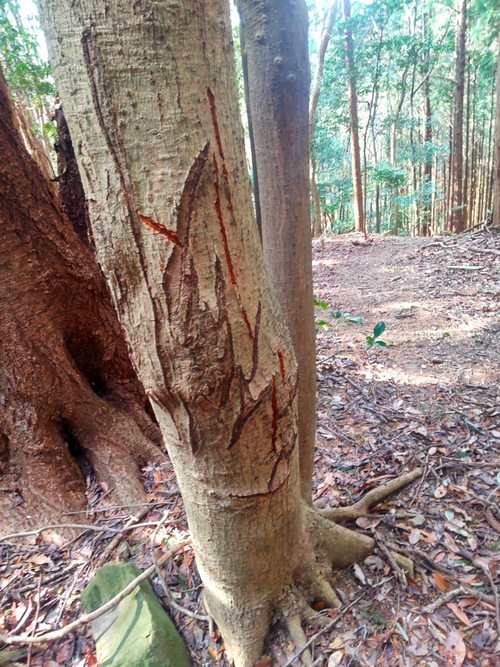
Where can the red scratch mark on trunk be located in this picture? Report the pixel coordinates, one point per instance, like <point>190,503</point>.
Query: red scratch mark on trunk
<point>160,229</point>
<point>282,364</point>
<point>213,111</point>
<point>274,416</point>
<point>225,242</point>
<point>225,173</point>
<point>222,227</point>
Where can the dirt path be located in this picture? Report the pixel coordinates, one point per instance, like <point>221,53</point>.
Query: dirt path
<point>430,399</point>
<point>443,323</point>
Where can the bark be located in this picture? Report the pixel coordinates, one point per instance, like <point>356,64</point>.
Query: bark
<point>278,74</point>
<point>457,208</point>
<point>71,194</point>
<point>496,152</point>
<point>67,388</point>
<point>154,114</point>
<point>426,208</point>
<point>359,214</point>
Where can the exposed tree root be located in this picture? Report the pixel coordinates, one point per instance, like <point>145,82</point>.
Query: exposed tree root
<point>372,498</point>
<point>244,623</point>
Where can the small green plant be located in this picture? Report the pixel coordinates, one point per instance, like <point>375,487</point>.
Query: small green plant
<point>377,331</point>
<point>336,315</point>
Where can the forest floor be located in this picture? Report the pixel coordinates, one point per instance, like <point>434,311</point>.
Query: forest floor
<point>429,595</point>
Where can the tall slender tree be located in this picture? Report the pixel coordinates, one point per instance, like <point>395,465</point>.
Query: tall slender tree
<point>278,84</point>
<point>496,151</point>
<point>359,212</point>
<point>457,203</point>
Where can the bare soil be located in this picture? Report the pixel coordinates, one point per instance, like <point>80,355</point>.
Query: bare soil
<point>428,596</point>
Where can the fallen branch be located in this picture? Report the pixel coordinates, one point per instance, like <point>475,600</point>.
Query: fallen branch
<point>88,618</point>
<point>440,244</point>
<point>363,506</point>
<point>83,526</point>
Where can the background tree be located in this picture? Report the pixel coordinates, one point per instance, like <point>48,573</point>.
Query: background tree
<point>276,54</point>
<point>457,204</point>
<point>359,213</point>
<point>496,169</point>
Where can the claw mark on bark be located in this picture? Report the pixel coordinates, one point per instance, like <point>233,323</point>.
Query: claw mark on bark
<point>284,455</point>
<point>274,416</point>
<point>255,350</point>
<point>222,228</point>
<point>261,494</point>
<point>187,200</point>
<point>282,365</point>
<point>213,111</point>
<point>245,415</point>
<point>160,229</point>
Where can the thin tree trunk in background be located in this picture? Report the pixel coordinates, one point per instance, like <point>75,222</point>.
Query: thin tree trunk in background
<point>496,152</point>
<point>255,173</point>
<point>370,121</point>
<point>457,212</point>
<point>467,152</point>
<point>359,214</point>
<point>473,158</point>
<point>278,74</point>
<point>428,158</point>
<point>326,32</point>
<point>489,171</point>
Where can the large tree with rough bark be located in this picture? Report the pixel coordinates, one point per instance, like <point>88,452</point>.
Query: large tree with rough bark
<point>67,387</point>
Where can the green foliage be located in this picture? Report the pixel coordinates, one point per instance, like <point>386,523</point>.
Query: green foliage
<point>334,316</point>
<point>373,338</point>
<point>403,50</point>
<point>27,74</point>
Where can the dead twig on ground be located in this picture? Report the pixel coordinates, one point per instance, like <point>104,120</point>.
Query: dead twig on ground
<point>372,498</point>
<point>88,618</point>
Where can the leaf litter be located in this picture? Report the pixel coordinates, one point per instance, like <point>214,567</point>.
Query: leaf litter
<point>428,595</point>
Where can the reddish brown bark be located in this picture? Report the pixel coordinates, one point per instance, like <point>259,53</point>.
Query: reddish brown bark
<point>67,387</point>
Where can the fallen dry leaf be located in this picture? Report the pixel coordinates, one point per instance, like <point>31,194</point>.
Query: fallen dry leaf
<point>462,616</point>
<point>454,649</point>
<point>440,491</point>
<point>414,536</point>
<point>441,582</point>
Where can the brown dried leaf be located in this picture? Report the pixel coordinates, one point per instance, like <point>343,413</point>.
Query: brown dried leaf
<point>440,491</point>
<point>459,613</point>
<point>454,649</point>
<point>441,582</point>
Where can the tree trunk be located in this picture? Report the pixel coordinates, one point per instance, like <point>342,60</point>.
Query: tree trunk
<point>67,387</point>
<point>359,214</point>
<point>457,208</point>
<point>496,152</point>
<point>278,74</point>
<point>326,32</point>
<point>425,229</point>
<point>154,114</point>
